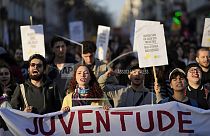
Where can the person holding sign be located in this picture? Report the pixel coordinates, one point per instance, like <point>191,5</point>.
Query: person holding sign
<point>38,94</point>
<point>178,83</point>
<point>134,95</point>
<point>84,90</point>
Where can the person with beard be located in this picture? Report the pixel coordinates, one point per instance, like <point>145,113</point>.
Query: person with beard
<point>59,62</point>
<point>178,83</point>
<point>134,95</point>
<point>41,94</point>
<point>203,59</point>
<point>84,90</point>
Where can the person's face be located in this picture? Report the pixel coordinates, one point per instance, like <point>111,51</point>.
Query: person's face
<point>194,75</point>
<point>83,76</point>
<point>36,69</point>
<point>178,84</point>
<point>4,76</point>
<point>60,49</point>
<point>136,77</point>
<point>18,55</point>
<point>203,59</point>
<point>88,58</point>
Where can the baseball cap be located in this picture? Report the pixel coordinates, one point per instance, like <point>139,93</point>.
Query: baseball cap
<point>177,71</point>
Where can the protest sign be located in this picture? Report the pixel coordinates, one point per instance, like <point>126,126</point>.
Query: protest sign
<point>32,40</point>
<point>139,24</point>
<point>102,42</point>
<point>76,31</point>
<point>206,33</point>
<point>150,44</point>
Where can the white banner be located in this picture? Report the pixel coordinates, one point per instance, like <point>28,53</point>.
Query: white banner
<point>32,40</point>
<point>76,31</point>
<point>169,119</point>
<point>206,33</point>
<point>102,42</point>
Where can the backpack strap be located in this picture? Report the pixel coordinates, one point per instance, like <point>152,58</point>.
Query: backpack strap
<point>22,89</point>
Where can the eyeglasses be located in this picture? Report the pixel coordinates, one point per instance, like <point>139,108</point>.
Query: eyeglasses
<point>193,70</point>
<point>37,65</point>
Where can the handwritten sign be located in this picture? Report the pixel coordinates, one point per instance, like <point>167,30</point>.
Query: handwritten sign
<point>150,45</point>
<point>206,33</point>
<point>102,42</point>
<point>32,40</point>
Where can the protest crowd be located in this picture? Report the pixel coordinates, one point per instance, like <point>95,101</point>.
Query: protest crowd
<point>41,85</point>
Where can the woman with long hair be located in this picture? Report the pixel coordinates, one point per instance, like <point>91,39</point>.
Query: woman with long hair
<point>84,90</point>
<point>7,82</point>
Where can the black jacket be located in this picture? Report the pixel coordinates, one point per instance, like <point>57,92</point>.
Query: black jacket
<point>199,95</point>
<point>49,92</point>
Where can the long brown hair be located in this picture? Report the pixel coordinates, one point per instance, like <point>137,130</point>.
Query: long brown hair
<point>95,89</point>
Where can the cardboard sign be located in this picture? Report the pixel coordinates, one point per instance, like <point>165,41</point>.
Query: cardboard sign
<point>76,31</point>
<point>102,42</point>
<point>32,40</point>
<point>206,33</point>
<point>151,45</point>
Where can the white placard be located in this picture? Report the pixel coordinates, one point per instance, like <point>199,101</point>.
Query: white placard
<point>139,24</point>
<point>152,46</point>
<point>76,31</point>
<point>32,40</point>
<point>206,33</point>
<point>102,42</point>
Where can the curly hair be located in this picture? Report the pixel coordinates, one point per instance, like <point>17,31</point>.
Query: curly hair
<point>95,89</point>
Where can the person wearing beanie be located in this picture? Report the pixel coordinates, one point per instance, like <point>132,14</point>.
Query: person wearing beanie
<point>178,83</point>
<point>195,88</point>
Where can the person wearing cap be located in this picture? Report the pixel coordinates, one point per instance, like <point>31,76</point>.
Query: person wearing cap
<point>195,88</point>
<point>134,95</point>
<point>60,62</point>
<point>178,83</point>
<point>38,94</point>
